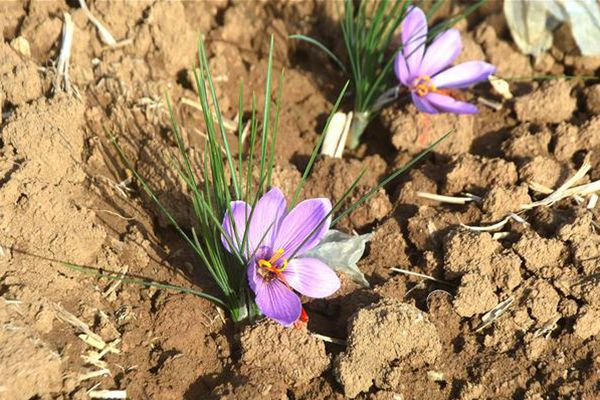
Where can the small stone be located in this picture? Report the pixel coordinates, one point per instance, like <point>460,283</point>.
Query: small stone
<point>21,45</point>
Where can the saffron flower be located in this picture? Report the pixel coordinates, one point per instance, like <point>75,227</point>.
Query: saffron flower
<point>272,237</point>
<point>426,72</point>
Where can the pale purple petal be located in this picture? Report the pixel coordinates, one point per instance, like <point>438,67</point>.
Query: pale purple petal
<point>441,52</point>
<point>240,212</point>
<point>423,104</point>
<point>311,277</point>
<point>448,104</point>
<point>401,69</point>
<point>262,252</point>
<point>252,275</point>
<point>414,34</point>
<point>463,75</point>
<point>297,226</point>
<point>275,300</point>
<point>268,212</point>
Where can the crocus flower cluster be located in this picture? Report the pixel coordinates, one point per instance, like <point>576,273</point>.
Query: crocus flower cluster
<point>272,237</point>
<point>425,71</point>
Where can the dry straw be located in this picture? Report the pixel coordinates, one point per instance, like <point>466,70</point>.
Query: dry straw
<point>566,190</point>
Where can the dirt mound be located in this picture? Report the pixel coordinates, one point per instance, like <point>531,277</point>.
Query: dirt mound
<point>273,354</point>
<point>552,103</point>
<point>472,174</point>
<point>385,339</point>
<point>20,80</point>
<point>413,131</point>
<point>30,368</point>
<point>56,149</point>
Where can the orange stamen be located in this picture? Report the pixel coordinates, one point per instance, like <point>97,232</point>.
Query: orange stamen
<point>268,264</point>
<point>424,85</point>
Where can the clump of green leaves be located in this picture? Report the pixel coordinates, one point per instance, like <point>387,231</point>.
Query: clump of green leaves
<point>220,180</point>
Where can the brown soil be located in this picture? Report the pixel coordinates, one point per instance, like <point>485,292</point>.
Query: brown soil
<point>64,196</point>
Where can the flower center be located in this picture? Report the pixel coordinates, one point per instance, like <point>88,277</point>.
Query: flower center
<point>267,268</point>
<point>423,85</point>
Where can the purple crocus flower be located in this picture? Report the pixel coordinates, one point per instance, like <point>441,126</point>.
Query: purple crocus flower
<point>273,236</point>
<point>426,73</point>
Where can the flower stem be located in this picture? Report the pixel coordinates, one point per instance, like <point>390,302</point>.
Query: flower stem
<point>243,308</point>
<point>359,123</point>
<point>361,119</point>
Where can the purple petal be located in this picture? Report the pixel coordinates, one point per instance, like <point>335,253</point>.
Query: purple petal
<point>275,300</point>
<point>441,52</point>
<point>401,69</point>
<point>240,212</point>
<point>448,104</point>
<point>262,252</point>
<point>252,275</point>
<point>423,104</point>
<point>414,34</point>
<point>311,277</point>
<point>463,75</point>
<point>297,226</point>
<point>266,218</point>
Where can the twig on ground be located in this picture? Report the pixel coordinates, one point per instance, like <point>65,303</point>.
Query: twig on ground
<point>93,374</point>
<point>498,225</point>
<point>431,278</point>
<point>566,189</point>
<point>116,214</point>
<point>108,394</point>
<point>495,313</point>
<point>494,105</point>
<point>330,339</point>
<point>593,201</point>
<point>89,337</point>
<point>552,196</point>
<point>105,36</point>
<point>62,80</point>
<point>116,283</point>
<point>548,327</point>
<point>448,199</point>
<point>229,124</point>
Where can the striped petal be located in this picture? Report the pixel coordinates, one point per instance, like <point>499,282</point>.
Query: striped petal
<point>463,75</point>
<point>414,34</point>
<point>447,104</point>
<point>441,52</point>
